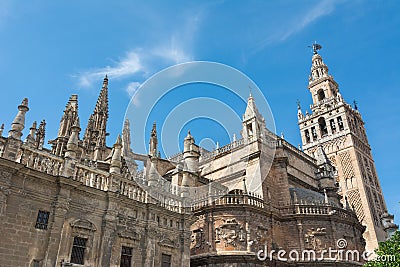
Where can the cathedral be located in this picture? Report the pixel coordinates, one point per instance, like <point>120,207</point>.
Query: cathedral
<point>258,201</point>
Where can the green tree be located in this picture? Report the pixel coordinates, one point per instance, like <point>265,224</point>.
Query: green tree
<point>388,253</point>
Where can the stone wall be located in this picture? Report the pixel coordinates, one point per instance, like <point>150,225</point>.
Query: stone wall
<point>107,219</point>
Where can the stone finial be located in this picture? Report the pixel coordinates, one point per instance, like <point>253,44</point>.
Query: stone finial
<point>41,134</point>
<point>326,200</point>
<point>73,141</point>
<point>31,138</point>
<point>295,198</point>
<point>153,141</point>
<point>1,129</point>
<point>116,163</point>
<point>299,112</point>
<point>347,205</point>
<point>244,187</point>
<point>19,121</point>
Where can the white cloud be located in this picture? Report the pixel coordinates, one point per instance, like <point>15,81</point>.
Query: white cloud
<point>141,62</point>
<point>324,8</point>
<point>173,53</point>
<point>129,65</point>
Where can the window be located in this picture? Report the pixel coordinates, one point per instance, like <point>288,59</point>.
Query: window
<point>333,126</point>
<point>35,263</point>
<point>249,130</point>
<point>322,126</point>
<point>307,135</point>
<point>340,123</point>
<point>42,220</point>
<point>321,94</point>
<point>78,250</point>
<point>314,133</point>
<point>126,257</point>
<point>166,260</point>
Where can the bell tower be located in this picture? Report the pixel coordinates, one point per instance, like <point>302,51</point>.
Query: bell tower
<point>338,128</point>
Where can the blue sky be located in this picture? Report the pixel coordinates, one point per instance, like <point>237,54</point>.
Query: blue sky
<point>51,49</point>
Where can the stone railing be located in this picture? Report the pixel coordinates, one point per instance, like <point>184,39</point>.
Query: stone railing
<point>229,199</point>
<point>92,177</point>
<point>40,160</point>
<point>323,101</point>
<point>283,143</point>
<point>224,149</point>
<point>176,158</point>
<point>132,190</point>
<point>316,210</point>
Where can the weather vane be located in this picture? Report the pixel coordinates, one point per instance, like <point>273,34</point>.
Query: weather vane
<point>316,47</point>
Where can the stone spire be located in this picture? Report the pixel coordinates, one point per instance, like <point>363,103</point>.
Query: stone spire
<point>299,112</point>
<point>94,140</point>
<point>1,129</point>
<point>19,121</point>
<point>127,152</point>
<point>116,163</point>
<point>31,138</point>
<point>251,109</point>
<point>153,141</point>
<point>253,121</point>
<point>126,139</point>
<point>59,144</point>
<point>40,134</point>
<point>73,140</point>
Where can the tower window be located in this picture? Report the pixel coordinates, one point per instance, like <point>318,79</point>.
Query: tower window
<point>322,126</point>
<point>340,123</point>
<point>333,126</point>
<point>42,220</point>
<point>126,257</point>
<point>314,133</point>
<point>249,130</point>
<point>321,94</point>
<point>166,260</point>
<point>307,135</point>
<point>78,250</point>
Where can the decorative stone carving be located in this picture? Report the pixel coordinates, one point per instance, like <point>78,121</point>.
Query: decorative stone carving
<point>83,224</point>
<point>197,239</point>
<point>316,239</point>
<point>230,232</point>
<point>129,234</point>
<point>167,242</point>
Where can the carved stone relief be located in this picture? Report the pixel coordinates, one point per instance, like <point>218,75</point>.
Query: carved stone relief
<point>316,239</point>
<point>230,232</point>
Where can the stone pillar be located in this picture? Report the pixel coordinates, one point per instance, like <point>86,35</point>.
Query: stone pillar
<point>54,245</point>
<point>109,228</point>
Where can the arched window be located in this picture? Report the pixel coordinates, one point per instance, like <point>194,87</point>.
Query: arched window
<point>333,127</point>
<point>321,94</point>
<point>322,126</point>
<point>340,123</point>
<point>314,133</point>
<point>307,135</point>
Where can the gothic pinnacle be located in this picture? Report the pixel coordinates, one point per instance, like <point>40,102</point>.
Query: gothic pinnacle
<point>19,121</point>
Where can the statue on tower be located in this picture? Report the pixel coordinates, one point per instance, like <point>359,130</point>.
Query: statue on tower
<point>316,47</point>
